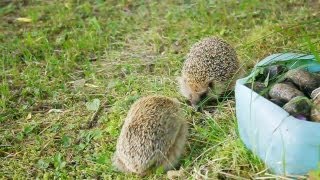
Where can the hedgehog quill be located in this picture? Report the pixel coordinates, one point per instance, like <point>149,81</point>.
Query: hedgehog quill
<point>210,65</point>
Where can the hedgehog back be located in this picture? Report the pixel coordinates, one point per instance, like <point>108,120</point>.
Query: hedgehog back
<point>211,58</point>
<point>149,131</point>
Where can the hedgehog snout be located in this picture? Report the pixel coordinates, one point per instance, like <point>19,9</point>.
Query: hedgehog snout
<point>196,98</point>
<point>193,99</point>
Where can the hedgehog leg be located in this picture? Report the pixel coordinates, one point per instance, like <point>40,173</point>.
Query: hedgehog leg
<point>175,151</point>
<point>117,162</point>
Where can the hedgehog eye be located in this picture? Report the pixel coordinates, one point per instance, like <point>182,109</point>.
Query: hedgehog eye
<point>210,85</point>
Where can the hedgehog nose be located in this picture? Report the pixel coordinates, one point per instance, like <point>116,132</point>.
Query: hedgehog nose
<point>194,105</point>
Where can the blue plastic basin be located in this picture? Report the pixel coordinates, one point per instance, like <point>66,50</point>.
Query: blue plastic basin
<point>287,145</point>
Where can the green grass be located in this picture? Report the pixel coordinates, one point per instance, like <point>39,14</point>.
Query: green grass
<point>125,50</point>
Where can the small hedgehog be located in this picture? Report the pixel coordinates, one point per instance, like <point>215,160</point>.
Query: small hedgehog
<point>211,64</point>
<point>153,135</point>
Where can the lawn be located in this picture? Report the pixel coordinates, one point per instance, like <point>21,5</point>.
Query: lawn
<point>61,60</point>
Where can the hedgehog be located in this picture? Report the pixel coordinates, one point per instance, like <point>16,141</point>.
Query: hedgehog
<point>210,65</point>
<point>153,136</point>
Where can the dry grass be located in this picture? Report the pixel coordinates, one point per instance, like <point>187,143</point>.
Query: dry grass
<point>67,53</point>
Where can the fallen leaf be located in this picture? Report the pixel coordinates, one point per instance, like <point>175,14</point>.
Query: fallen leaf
<point>21,19</point>
<point>79,83</point>
<point>94,105</point>
<point>67,5</point>
<point>91,85</point>
<point>55,111</point>
<point>28,116</point>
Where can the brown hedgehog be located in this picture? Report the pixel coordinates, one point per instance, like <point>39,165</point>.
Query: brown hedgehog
<point>153,135</point>
<point>211,64</point>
